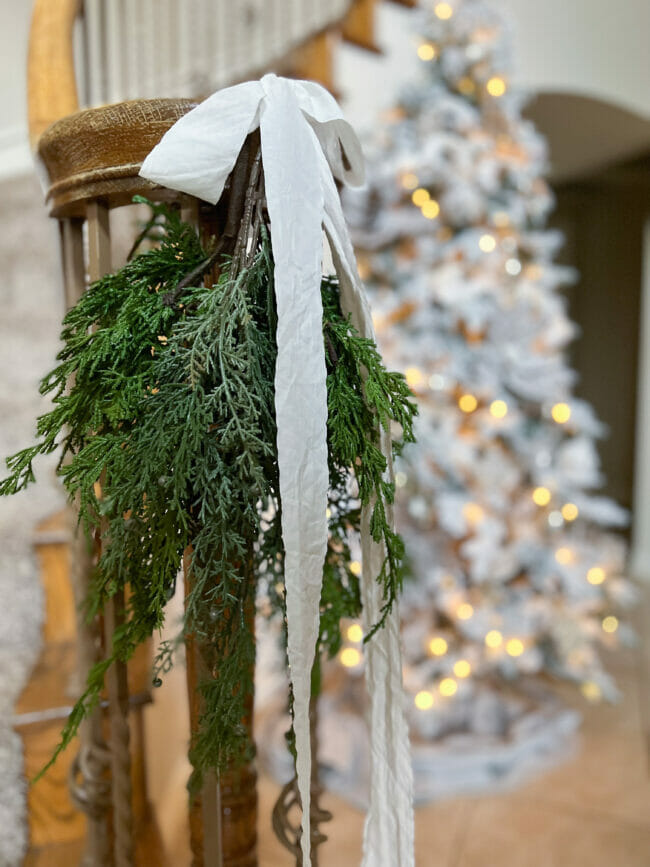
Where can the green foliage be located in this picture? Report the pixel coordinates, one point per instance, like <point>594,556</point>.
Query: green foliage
<point>361,392</point>
<point>165,418</point>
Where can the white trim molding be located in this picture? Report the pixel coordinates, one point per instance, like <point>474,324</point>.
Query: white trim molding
<point>640,553</point>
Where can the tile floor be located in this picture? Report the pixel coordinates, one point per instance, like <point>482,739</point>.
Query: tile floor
<point>593,810</point>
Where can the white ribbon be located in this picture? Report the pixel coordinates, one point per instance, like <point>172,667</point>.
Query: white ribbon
<point>305,144</point>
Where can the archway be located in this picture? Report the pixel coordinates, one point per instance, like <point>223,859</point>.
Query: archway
<point>600,161</point>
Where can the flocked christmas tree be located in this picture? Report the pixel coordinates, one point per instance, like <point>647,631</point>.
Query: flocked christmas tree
<point>514,572</point>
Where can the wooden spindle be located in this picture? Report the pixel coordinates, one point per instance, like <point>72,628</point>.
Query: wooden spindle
<point>89,782</point>
<point>289,832</point>
<point>99,264</point>
<point>223,816</point>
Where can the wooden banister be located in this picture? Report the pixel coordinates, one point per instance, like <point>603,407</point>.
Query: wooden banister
<point>51,83</point>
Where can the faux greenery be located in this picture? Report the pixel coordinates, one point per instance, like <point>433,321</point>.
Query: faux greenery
<point>163,411</point>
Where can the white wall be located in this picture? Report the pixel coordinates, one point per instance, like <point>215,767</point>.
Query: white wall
<point>595,48</point>
<point>591,47</point>
<point>14,29</point>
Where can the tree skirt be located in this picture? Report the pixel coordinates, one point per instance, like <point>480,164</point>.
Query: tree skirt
<point>541,733</point>
<point>31,303</point>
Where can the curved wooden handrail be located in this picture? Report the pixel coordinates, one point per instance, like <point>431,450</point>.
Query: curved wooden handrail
<point>51,83</point>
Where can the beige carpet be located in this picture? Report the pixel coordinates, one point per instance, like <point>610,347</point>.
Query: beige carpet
<point>31,308</point>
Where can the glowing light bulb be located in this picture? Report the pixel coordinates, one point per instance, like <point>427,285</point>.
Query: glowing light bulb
<point>494,639</point>
<point>467,402</point>
<point>610,624</point>
<point>430,209</point>
<point>363,267</point>
<point>438,646</point>
<point>355,567</point>
<point>462,668</point>
<point>496,86</point>
<point>541,496</point>
<point>444,11</point>
<point>448,686</point>
<point>564,556</point>
<point>437,382</point>
<point>409,180</point>
<point>515,647</point>
<point>473,513</point>
<point>570,511</point>
<point>426,51</point>
<point>591,690</point>
<point>414,376</point>
<point>424,700</point>
<point>513,267</point>
<point>596,575</point>
<point>487,243</point>
<point>498,409</point>
<point>350,657</point>
<point>420,196</point>
<point>464,611</point>
<point>561,413</point>
<point>555,519</point>
<point>400,479</point>
<point>355,633</point>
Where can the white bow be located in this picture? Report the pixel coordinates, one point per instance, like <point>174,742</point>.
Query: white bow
<point>305,142</point>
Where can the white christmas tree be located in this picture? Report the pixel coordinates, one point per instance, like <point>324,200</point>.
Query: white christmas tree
<point>514,572</point>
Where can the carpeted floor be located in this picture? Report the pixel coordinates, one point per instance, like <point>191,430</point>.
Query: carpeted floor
<point>31,307</point>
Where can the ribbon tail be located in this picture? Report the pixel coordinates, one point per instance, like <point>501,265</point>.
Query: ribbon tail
<point>388,837</point>
<point>389,831</point>
<point>295,206</point>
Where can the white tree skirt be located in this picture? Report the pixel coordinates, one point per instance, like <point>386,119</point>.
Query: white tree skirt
<point>458,764</point>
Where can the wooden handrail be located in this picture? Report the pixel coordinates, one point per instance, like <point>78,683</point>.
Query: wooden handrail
<point>51,83</point>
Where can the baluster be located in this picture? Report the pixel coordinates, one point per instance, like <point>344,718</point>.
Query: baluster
<point>95,70</point>
<point>88,781</point>
<point>289,833</point>
<point>99,264</point>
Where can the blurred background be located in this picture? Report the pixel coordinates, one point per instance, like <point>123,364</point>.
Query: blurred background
<point>526,677</point>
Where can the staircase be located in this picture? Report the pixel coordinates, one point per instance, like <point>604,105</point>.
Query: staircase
<point>56,827</point>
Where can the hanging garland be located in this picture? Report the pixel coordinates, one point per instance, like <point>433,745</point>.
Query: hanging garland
<point>168,440</point>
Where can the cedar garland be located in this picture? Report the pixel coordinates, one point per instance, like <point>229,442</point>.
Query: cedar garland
<point>171,403</point>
